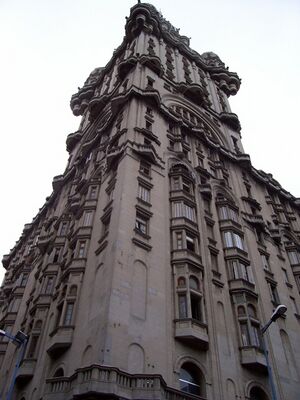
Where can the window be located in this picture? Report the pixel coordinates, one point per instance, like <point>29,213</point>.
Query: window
<point>33,345</point>
<point>179,242</point>
<point>265,261</point>
<point>150,82</point>
<point>48,285</point>
<point>191,308</point>
<point>93,192</point>
<point>87,218</point>
<point>63,228</point>
<point>148,125</point>
<point>144,193</point>
<point>81,249</point>
<point>294,257</point>
<point>240,270</point>
<point>273,293</point>
<point>286,277</point>
<point>294,306</point>
<point>190,242</point>
<point>145,168</point>
<point>57,253</point>
<point>68,314</point>
<point>232,239</point>
<point>187,186</point>
<point>214,261</point>
<point>141,224</point>
<point>249,326</point>
<point>226,212</point>
<point>191,380</point>
<point>23,279</point>
<point>181,209</point>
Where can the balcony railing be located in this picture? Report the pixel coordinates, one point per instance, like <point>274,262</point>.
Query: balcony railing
<point>112,381</point>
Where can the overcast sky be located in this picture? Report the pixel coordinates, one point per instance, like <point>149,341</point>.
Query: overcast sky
<point>48,48</point>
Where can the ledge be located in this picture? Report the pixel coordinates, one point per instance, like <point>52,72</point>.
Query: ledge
<point>253,358</point>
<point>60,341</point>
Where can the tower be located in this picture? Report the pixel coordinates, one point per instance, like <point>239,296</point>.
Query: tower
<point>161,251</point>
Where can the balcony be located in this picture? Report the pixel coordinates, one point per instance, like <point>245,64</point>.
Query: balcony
<point>192,332</point>
<point>231,120</point>
<point>57,182</point>
<point>44,241</point>
<point>73,139</point>
<point>26,371</point>
<point>110,382</point>
<point>5,260</point>
<point>237,285</point>
<point>253,358</point>
<point>60,341</point>
<point>186,255</point>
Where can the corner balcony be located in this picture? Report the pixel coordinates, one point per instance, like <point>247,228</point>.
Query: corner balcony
<point>60,341</point>
<point>231,120</point>
<point>73,139</point>
<point>125,66</point>
<point>5,260</point>
<point>97,381</point>
<point>26,370</point>
<point>192,332</point>
<point>253,358</point>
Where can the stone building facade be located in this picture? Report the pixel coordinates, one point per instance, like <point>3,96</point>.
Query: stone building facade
<point>150,269</point>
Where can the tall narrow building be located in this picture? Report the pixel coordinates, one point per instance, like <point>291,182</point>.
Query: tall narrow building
<point>151,268</point>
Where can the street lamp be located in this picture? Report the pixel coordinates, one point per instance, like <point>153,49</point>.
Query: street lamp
<point>279,311</point>
<point>20,340</point>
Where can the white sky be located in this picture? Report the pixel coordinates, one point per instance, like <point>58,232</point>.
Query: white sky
<point>48,48</point>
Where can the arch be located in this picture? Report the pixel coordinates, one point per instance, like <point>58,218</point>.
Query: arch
<point>181,281</point>
<point>230,389</point>
<point>136,359</point>
<point>256,393</point>
<point>254,388</point>
<point>222,332</point>
<point>191,379</point>
<point>176,164</point>
<point>194,282</point>
<point>139,290</point>
<point>184,359</point>
<point>289,354</point>
<point>59,372</point>
<point>221,193</point>
<point>86,356</point>
<point>171,101</point>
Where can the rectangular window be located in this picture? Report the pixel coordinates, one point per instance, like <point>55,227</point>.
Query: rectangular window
<point>23,280</point>
<point>294,306</point>
<point>182,306</point>
<point>196,307</point>
<point>240,270</point>
<point>265,261</point>
<point>274,294</point>
<point>187,186</point>
<point>63,228</point>
<point>81,249</point>
<point>232,239</point>
<point>49,284</point>
<point>190,242</point>
<point>93,192</point>
<point>181,209</point>
<point>141,224</point>
<point>33,345</point>
<point>57,253</point>
<point>68,314</point>
<point>294,257</point>
<point>144,193</point>
<point>245,334</point>
<point>214,262</point>
<point>145,168</point>
<point>87,218</point>
<point>179,243</point>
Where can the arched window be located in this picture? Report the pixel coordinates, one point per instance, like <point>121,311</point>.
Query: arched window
<point>194,283</point>
<point>181,282</point>
<point>257,393</point>
<point>58,373</point>
<point>191,379</point>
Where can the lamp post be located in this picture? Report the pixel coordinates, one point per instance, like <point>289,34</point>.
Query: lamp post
<point>280,310</point>
<point>20,340</point>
